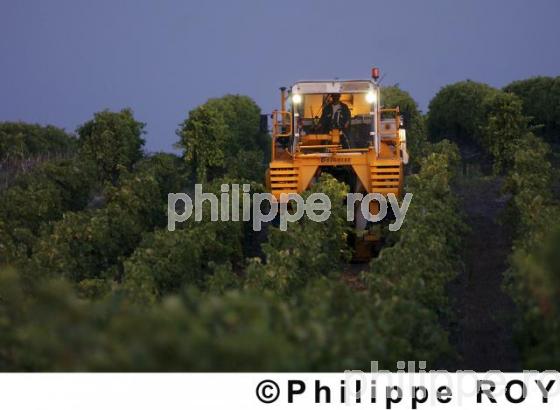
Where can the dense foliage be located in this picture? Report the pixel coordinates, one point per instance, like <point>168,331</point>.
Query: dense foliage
<point>457,112</point>
<point>504,128</point>
<point>221,137</point>
<point>426,255</point>
<point>112,141</point>
<point>39,197</point>
<point>541,102</point>
<point>532,279</point>
<point>415,271</point>
<point>236,330</point>
<point>90,278</point>
<point>507,125</point>
<point>284,313</point>
<point>88,247</point>
<point>19,141</point>
<point>53,188</point>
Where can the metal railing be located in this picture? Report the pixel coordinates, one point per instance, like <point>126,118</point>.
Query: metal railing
<point>282,126</point>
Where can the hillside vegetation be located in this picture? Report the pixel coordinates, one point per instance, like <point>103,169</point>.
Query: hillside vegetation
<point>91,279</point>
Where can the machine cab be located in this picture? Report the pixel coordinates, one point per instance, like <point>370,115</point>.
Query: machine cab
<point>303,125</point>
<point>363,139</point>
<point>313,120</point>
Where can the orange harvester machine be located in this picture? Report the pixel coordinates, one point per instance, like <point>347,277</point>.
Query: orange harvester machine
<point>369,155</point>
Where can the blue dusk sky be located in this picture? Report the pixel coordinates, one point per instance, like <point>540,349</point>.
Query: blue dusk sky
<point>63,60</point>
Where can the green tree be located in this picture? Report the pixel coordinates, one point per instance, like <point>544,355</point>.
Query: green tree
<point>505,127</point>
<point>112,141</point>
<point>242,117</point>
<point>43,196</point>
<point>457,112</point>
<point>541,102</point>
<point>19,140</point>
<point>204,140</point>
<point>91,245</point>
<point>222,138</point>
<point>168,169</point>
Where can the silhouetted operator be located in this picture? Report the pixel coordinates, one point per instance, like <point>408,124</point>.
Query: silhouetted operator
<point>336,115</point>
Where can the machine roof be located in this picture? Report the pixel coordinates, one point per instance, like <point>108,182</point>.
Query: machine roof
<point>333,86</point>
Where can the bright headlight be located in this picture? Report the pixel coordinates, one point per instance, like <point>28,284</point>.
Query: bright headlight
<point>370,97</point>
<point>296,98</point>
